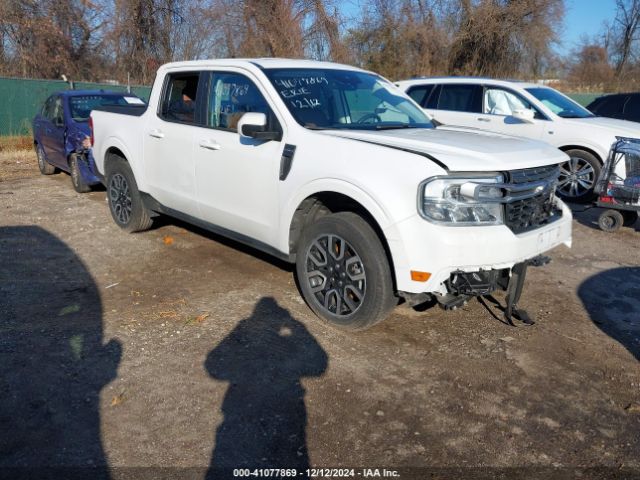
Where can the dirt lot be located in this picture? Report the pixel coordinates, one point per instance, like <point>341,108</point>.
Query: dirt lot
<point>176,348</point>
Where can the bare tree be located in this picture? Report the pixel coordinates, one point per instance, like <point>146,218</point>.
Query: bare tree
<point>624,32</point>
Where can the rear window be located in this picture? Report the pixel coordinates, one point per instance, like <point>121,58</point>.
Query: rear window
<point>80,107</point>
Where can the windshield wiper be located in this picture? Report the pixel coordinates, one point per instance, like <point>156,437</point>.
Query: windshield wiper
<point>392,127</point>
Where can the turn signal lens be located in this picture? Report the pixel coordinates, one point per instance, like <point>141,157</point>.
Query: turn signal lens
<point>420,276</point>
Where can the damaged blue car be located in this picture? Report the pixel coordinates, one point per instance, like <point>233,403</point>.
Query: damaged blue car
<point>61,133</point>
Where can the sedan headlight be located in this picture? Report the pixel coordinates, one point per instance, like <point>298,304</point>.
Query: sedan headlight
<point>464,200</point>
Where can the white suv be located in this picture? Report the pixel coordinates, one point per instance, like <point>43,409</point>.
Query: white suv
<point>527,110</point>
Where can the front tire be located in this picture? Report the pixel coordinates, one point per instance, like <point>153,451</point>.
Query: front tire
<point>343,272</point>
<point>45,167</point>
<point>125,202</point>
<point>79,185</point>
<point>578,176</point>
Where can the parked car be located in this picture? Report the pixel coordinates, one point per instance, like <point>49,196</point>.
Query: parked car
<point>528,110</point>
<point>334,169</point>
<point>625,106</point>
<point>61,133</point>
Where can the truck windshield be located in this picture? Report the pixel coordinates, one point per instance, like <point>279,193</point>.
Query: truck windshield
<point>80,106</point>
<point>345,99</point>
<point>559,104</point>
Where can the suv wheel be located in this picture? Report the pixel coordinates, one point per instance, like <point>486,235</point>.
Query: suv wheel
<point>45,167</point>
<point>578,176</point>
<point>125,202</point>
<point>343,272</point>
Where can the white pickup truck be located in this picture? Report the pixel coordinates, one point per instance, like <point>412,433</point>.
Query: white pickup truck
<point>337,170</point>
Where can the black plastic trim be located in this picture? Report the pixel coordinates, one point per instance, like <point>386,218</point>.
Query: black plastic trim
<point>286,161</point>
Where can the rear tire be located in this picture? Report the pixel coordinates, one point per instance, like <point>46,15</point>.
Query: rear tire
<point>79,185</point>
<point>125,202</point>
<point>578,176</point>
<point>343,272</point>
<point>610,221</point>
<point>45,167</point>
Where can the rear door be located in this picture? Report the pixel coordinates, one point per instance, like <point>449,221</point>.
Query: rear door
<point>168,143</point>
<point>456,104</point>
<point>53,133</point>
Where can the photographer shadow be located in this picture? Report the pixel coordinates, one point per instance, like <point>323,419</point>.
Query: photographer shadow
<point>612,299</point>
<point>53,360</point>
<point>264,359</point>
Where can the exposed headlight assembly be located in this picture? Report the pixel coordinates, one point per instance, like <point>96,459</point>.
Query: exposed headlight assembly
<point>462,200</point>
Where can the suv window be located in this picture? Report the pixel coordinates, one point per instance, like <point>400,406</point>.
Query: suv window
<point>179,98</point>
<point>611,106</point>
<point>420,93</point>
<point>230,96</point>
<point>632,108</point>
<point>461,98</point>
<point>499,101</point>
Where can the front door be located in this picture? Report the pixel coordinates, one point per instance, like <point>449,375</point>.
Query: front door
<point>236,177</point>
<point>54,133</point>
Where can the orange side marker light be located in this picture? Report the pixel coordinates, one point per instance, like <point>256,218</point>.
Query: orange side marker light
<point>417,276</point>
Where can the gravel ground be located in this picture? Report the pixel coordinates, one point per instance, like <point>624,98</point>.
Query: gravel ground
<point>177,349</point>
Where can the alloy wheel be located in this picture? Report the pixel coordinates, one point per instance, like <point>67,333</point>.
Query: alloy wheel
<point>120,198</point>
<point>577,177</point>
<point>335,275</point>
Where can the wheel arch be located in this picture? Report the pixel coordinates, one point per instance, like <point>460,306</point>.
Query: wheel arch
<point>566,148</point>
<point>327,201</point>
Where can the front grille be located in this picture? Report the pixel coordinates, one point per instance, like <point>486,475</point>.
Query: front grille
<point>536,174</point>
<point>537,208</point>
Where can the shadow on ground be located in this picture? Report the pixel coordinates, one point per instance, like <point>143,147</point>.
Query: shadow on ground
<point>612,299</point>
<point>53,360</point>
<point>264,359</point>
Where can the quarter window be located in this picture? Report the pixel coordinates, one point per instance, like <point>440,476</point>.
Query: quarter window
<point>179,102</point>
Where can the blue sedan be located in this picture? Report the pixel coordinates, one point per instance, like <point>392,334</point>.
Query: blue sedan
<point>61,133</point>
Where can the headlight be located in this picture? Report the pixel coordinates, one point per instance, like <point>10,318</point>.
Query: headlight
<point>465,200</point>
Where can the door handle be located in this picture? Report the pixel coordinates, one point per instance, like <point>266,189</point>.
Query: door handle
<point>482,119</point>
<point>210,144</point>
<point>156,133</point>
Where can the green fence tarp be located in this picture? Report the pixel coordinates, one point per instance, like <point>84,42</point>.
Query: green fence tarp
<point>20,99</point>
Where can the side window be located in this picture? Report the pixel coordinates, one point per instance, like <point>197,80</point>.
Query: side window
<point>612,106</point>
<point>179,97</point>
<point>460,98</point>
<point>498,101</point>
<point>420,93</point>
<point>57,114</point>
<point>230,96</point>
<point>632,108</point>
<point>47,109</point>
<point>432,101</point>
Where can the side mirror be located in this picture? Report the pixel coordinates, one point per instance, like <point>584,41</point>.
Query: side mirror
<point>524,115</point>
<point>254,125</point>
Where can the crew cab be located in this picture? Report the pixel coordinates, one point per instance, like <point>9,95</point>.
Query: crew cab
<point>61,133</point>
<point>336,170</point>
<point>529,110</point>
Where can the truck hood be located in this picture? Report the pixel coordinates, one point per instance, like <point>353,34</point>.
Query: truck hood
<point>462,149</point>
<point>621,128</point>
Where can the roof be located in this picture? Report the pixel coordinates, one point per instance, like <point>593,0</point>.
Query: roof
<point>449,80</point>
<point>76,93</point>
<point>262,63</point>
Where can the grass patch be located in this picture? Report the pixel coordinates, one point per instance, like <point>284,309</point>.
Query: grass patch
<point>15,143</point>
